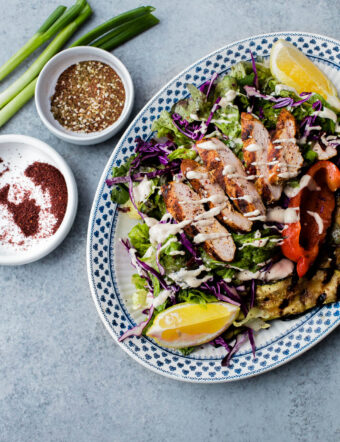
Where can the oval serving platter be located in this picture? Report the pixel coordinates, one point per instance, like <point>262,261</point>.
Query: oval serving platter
<point>109,268</point>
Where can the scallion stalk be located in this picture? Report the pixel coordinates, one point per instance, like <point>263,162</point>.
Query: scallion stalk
<point>125,32</point>
<point>112,23</point>
<point>7,112</point>
<point>33,71</point>
<point>109,41</point>
<point>59,18</point>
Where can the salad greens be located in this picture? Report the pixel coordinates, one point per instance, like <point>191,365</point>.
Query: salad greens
<point>211,110</point>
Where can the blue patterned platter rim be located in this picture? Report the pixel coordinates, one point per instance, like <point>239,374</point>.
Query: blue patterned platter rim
<point>277,350</point>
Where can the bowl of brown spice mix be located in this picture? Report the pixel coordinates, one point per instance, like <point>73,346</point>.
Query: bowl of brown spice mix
<point>84,95</point>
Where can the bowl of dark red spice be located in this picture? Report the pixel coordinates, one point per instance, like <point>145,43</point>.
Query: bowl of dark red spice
<point>38,199</point>
<point>84,95</point>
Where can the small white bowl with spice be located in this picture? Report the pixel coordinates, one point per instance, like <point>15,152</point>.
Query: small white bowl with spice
<point>38,199</point>
<point>84,95</point>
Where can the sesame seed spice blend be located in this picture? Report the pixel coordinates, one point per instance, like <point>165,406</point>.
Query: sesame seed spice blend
<point>89,97</point>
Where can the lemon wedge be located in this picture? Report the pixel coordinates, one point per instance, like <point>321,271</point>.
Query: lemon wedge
<point>293,68</point>
<point>187,324</point>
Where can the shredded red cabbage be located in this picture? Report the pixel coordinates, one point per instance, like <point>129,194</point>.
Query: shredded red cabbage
<point>146,268</point>
<point>221,343</point>
<point>189,246</point>
<point>252,341</point>
<point>159,265</point>
<point>138,329</point>
<point>206,87</point>
<point>240,339</point>
<point>132,198</point>
<point>216,289</point>
<point>253,290</point>
<point>172,167</point>
<point>280,102</point>
<point>256,80</point>
<point>190,130</point>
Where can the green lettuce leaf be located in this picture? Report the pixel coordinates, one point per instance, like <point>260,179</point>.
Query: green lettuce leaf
<point>165,127</point>
<point>183,153</point>
<point>250,256</point>
<point>195,296</point>
<point>139,238</point>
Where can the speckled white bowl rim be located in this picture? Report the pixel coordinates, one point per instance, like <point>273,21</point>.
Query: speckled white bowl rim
<point>48,78</point>
<point>53,242</point>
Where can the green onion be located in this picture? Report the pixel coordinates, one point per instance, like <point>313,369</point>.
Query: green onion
<point>125,32</point>
<point>59,18</point>
<point>23,89</point>
<point>112,23</point>
<point>55,46</point>
<point>7,112</point>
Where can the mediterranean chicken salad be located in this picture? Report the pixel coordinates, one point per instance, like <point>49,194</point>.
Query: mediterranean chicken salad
<point>236,194</point>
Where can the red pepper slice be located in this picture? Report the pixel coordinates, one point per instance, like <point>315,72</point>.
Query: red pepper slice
<point>303,238</point>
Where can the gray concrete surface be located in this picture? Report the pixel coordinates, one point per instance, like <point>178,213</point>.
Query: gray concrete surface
<point>62,378</point>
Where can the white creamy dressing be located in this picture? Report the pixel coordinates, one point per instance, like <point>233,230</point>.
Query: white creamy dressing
<point>168,242</point>
<point>210,145</point>
<point>161,298</point>
<point>196,175</point>
<point>326,113</point>
<point>189,278</point>
<point>247,198</point>
<point>176,252</point>
<point>215,199</point>
<point>228,98</point>
<point>306,181</point>
<point>285,140</point>
<point>310,128</point>
<point>133,258</point>
<point>228,169</point>
<point>279,270</point>
<point>256,243</point>
<point>282,87</point>
<point>142,190</point>
<point>317,219</point>
<point>283,216</point>
<point>253,147</point>
<point>159,232</point>
<point>201,237</point>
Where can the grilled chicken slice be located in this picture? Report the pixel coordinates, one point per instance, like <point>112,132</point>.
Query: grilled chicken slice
<point>184,205</point>
<point>228,171</point>
<point>202,183</point>
<point>284,157</point>
<point>256,148</point>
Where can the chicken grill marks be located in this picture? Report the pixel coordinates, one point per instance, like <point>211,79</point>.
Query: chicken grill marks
<point>275,160</point>
<point>228,171</point>
<point>256,148</point>
<point>202,183</point>
<point>284,150</point>
<point>184,205</point>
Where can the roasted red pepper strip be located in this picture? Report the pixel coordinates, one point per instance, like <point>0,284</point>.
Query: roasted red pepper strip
<point>303,238</point>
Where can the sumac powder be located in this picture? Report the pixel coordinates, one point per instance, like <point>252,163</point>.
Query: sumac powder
<point>25,214</point>
<point>52,180</point>
<point>89,97</point>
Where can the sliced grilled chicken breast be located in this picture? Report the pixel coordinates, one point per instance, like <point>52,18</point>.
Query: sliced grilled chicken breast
<point>202,183</point>
<point>256,148</point>
<point>284,156</point>
<point>185,205</point>
<point>228,171</point>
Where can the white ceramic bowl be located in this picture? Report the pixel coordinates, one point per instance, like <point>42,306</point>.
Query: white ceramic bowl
<point>46,86</point>
<point>20,151</point>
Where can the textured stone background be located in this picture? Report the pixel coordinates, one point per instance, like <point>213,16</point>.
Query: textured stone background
<point>62,378</point>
